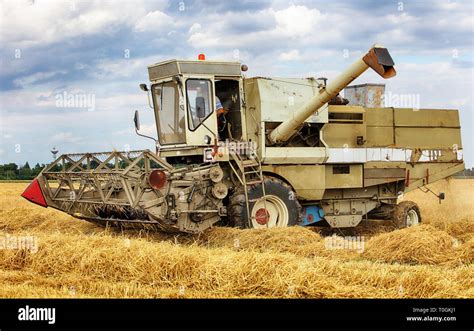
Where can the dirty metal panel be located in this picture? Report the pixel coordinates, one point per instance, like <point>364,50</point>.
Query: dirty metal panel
<point>175,67</point>
<point>428,137</point>
<point>408,117</point>
<point>425,173</point>
<point>376,176</point>
<point>385,165</point>
<point>282,97</point>
<point>307,180</point>
<point>346,113</point>
<point>379,136</point>
<point>343,134</point>
<point>252,108</point>
<point>292,155</point>
<point>210,68</point>
<point>344,176</point>
<point>379,127</point>
<point>352,193</point>
<point>366,95</point>
<point>379,116</point>
<point>384,173</point>
<point>163,70</point>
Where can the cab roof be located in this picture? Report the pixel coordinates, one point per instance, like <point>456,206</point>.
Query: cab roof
<point>174,67</point>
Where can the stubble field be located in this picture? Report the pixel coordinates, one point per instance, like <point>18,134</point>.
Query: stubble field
<point>72,258</point>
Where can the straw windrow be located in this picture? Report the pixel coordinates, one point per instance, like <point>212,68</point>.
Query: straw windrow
<point>78,259</point>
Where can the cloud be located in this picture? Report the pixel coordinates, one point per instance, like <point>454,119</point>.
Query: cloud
<point>38,23</point>
<point>41,22</point>
<point>121,68</point>
<point>196,27</point>
<point>154,21</point>
<point>145,129</point>
<point>65,137</point>
<point>291,55</point>
<point>26,81</point>
<point>298,21</point>
<point>204,39</point>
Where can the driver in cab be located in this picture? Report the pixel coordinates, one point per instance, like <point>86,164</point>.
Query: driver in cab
<point>221,112</point>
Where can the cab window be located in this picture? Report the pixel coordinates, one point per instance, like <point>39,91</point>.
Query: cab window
<point>199,97</point>
<point>169,118</point>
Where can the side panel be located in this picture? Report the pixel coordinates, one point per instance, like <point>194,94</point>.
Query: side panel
<point>307,180</point>
<point>376,173</point>
<point>379,136</point>
<point>380,131</point>
<point>178,67</point>
<point>425,173</point>
<point>427,128</point>
<point>294,155</point>
<point>443,118</point>
<point>252,108</point>
<point>340,135</point>
<point>344,176</point>
<point>281,97</point>
<point>413,128</point>
<point>421,137</point>
<point>346,124</point>
<point>367,95</point>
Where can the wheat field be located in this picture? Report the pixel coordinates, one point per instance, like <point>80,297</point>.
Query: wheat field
<point>76,259</point>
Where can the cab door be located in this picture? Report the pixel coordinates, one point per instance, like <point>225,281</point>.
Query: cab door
<point>201,118</point>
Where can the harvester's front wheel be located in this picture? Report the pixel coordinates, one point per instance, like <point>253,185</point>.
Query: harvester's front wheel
<point>406,214</point>
<point>280,207</point>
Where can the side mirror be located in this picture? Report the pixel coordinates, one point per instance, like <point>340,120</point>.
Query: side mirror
<point>144,87</point>
<point>200,107</point>
<point>136,119</point>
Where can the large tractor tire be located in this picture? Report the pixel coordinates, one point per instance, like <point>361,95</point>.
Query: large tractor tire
<point>280,208</point>
<point>406,214</point>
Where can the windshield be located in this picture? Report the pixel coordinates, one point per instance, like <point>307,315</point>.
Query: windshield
<point>169,118</point>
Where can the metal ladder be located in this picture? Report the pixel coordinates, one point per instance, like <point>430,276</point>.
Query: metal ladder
<point>248,167</point>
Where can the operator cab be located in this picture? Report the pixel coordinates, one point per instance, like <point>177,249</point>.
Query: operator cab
<point>184,101</point>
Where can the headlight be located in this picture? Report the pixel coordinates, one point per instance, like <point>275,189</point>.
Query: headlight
<point>157,179</point>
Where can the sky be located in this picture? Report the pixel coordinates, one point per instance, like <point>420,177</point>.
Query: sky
<point>70,70</point>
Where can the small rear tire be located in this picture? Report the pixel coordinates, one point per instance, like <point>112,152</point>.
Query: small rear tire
<point>406,214</point>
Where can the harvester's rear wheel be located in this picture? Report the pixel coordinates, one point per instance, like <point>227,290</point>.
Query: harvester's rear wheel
<point>406,214</point>
<point>280,208</point>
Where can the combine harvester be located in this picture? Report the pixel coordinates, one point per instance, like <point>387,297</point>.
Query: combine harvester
<point>281,152</point>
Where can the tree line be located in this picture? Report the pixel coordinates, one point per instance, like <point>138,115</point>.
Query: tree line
<point>465,173</point>
<point>12,171</point>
